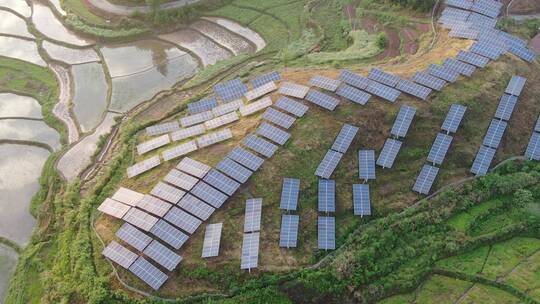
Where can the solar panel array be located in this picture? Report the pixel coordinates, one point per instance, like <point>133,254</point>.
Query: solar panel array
<point>429,81</point>
<point>188,132</point>
<point>516,85</point>
<point>196,119</point>
<point>261,91</point>
<point>179,150</point>
<point>170,235</point>
<point>439,148</point>
<point>266,78</point>
<point>208,194</point>
<point>149,273</point>
<point>196,207</point>
<point>327,195</point>
<point>289,194</point>
<point>231,90</point>
<point>162,255</point>
<point>143,166</point>
<point>256,106</point>
<point>383,77</point>
<point>389,153</point>
<point>486,50</point>
<point>278,118</point>
<point>328,164</point>
<point>250,251</point>
<point>443,73</point>
<point>523,53</point>
<point>383,91</point>
<point>361,200</point>
<point>353,94</point>
<point>227,107</point>
<point>273,133</point>
<point>246,158</point>
<point>293,90</point>
<point>221,121</point>
<point>234,170</point>
<point>180,179</point>
<point>113,208</point>
<point>140,219</point>
<point>323,100</point>
<point>212,240</point>
<point>453,118</point>
<point>167,192</point>
<point>495,133</point>
<point>183,220</point>
<point>163,128</point>
<point>366,164</point>
<point>413,89</point>
<point>288,236</point>
<point>506,107</point>
<point>291,106</point>
<point>193,167</point>
<point>252,220</point>
<point>119,254</point>
<point>221,182</point>
<point>354,80</point>
<point>344,138</point>
<point>154,205</point>
<point>403,121</point>
<point>483,160</point>
<point>326,228</point>
<point>460,67</point>
<point>260,145</point>
<point>325,83</point>
<point>214,138</point>
<point>133,237</point>
<point>127,196</point>
<point>203,105</point>
<point>533,148</point>
<point>472,58</point>
<point>425,180</point>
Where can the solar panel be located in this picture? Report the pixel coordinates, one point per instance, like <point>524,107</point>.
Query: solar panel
<point>169,234</point>
<point>143,166</point>
<point>180,179</point>
<point>486,50</point>
<point>366,164</point>
<point>250,251</point>
<point>425,180</point>
<point>495,133</point>
<point>234,170</point>
<point>459,66</point>
<point>353,94</point>
<point>133,236</point>
<point>140,219</point>
<point>361,200</point>
<point>439,148</point>
<point>196,119</point>
<point>119,254</point>
<point>227,107</point>
<point>516,85</point>
<point>209,195</point>
<point>327,195</point>
<point>179,150</point>
<point>246,158</point>
<point>403,121</point>
<point>214,138</point>
<point>212,240</point>
<point>472,58</point>
<point>464,4</point>
<point>326,232</point>
<point>383,77</point>
<point>536,127</point>
<point>328,164</point>
<point>289,194</point>
<point>260,91</point>
<point>221,182</point>
<point>429,81</point>
<point>533,148</point>
<point>293,90</point>
<point>196,207</point>
<point>231,89</point>
<point>443,73</point>
<point>193,167</point>
<point>485,9</point>
<point>163,255</point>
<point>266,78</point>
<point>353,79</point>
<point>256,106</point>
<point>483,160</point>
<point>523,53</point>
<point>260,145</point>
<point>453,118</point>
<point>274,134</point>
<point>252,220</point>
<point>389,153</point>
<point>113,208</point>
<point>153,205</point>
<point>413,89</point>
<point>506,107</point>
<point>163,128</point>
<point>188,132</point>
<point>167,192</point>
<point>383,91</point>
<point>324,83</point>
<point>463,32</point>
<point>278,118</point>
<point>148,273</point>
<point>288,235</point>
<point>183,220</point>
<point>291,106</point>
<point>221,121</point>
<point>323,100</point>
<point>202,105</point>
<point>127,196</point>
<point>344,138</point>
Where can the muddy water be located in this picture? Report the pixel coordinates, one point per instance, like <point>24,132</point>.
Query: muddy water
<point>29,130</point>
<point>12,105</point>
<point>18,6</point>
<point>11,24</point>
<point>90,95</point>
<point>8,262</point>
<point>20,49</point>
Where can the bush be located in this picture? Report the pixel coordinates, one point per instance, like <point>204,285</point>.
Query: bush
<point>382,40</point>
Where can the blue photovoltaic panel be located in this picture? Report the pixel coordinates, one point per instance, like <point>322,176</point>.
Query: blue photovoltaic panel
<point>443,73</point>
<point>453,118</point>
<point>425,179</point>
<point>278,118</point>
<point>486,50</point>
<point>169,234</point>
<point>289,194</point>
<point>326,231</point>
<point>516,85</point>
<point>325,83</point>
<point>246,158</point>
<point>119,254</point>
<point>383,77</point>
<point>252,220</point>
<point>459,66</point>
<point>440,148</point>
<point>353,79</point>
<point>495,133</point>
<point>483,160</point>
<point>481,20</point>
<point>353,94</point>
<point>274,134</point>
<point>389,153</point>
<point>183,220</point>
<point>366,163</point>
<point>327,195</point>
<point>133,236</point>
<point>328,164</point>
<point>472,58</point>
<point>486,9</point>
<point>322,100</point>
<point>266,78</point>
<point>429,81</point>
<point>149,273</point>
<point>250,251</point>
<point>344,138</point>
<point>383,91</point>
<point>234,170</point>
<point>523,53</point>
<point>221,182</point>
<point>212,240</point>
<point>533,148</point>
<point>413,89</point>
<point>231,90</point>
<point>403,121</point>
<point>163,255</point>
<point>202,105</point>
<point>464,4</point>
<point>361,200</point>
<point>260,145</point>
<point>288,236</point>
<point>291,106</point>
<point>537,125</point>
<point>196,207</point>
<point>208,194</point>
<point>506,107</point>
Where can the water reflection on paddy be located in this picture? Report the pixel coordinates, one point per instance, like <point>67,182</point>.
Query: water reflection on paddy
<point>20,49</point>
<point>8,262</point>
<point>29,130</point>
<point>12,24</point>
<point>90,96</point>
<point>69,55</point>
<point>12,105</point>
<point>18,6</point>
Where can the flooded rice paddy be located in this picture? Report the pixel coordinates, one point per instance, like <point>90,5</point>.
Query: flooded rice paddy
<point>69,55</point>
<point>21,49</point>
<point>29,130</point>
<point>12,106</point>
<point>18,6</point>
<point>12,24</point>
<point>8,262</point>
<point>90,94</point>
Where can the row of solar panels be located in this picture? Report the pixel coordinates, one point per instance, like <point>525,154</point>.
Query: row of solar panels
<point>498,125</point>
<point>335,153</point>
<point>533,148</point>
<point>400,129</point>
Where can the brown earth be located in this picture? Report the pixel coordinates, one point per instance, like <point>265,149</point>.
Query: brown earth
<point>524,7</point>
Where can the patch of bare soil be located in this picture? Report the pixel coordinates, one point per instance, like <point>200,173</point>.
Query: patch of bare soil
<point>372,26</point>
<point>535,43</point>
<point>524,7</point>
<point>411,36</point>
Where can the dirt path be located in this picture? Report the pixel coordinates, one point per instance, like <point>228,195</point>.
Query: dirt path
<point>124,10</point>
<point>61,109</point>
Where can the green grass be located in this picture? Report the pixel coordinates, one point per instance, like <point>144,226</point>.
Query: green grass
<point>78,8</point>
<point>241,15</point>
<point>215,69</point>
<point>363,47</point>
<point>527,276</point>
<point>468,262</point>
<point>274,33</point>
<point>398,299</point>
<point>489,295</point>
<point>463,221</point>
<point>264,4</point>
<point>441,290</point>
<point>506,255</point>
<point>293,16</point>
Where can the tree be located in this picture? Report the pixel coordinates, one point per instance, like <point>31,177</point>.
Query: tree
<point>522,198</point>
